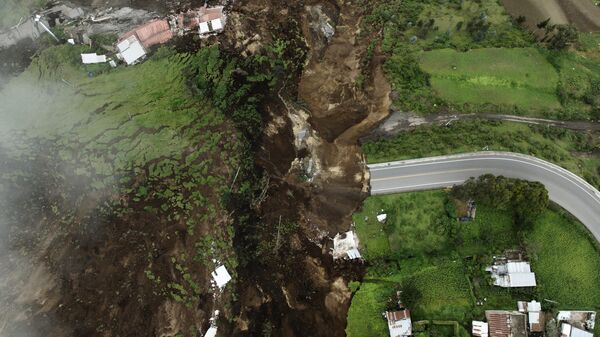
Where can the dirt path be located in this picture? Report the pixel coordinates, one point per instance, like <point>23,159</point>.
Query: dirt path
<point>400,121</point>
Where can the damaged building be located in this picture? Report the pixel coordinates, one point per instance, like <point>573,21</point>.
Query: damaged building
<point>345,246</point>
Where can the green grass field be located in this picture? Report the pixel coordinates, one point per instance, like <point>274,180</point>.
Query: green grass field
<point>413,244</point>
<point>520,77</point>
<point>564,254</point>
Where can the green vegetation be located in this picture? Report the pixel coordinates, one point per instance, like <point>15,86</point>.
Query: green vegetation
<point>517,77</point>
<point>470,56</point>
<point>566,148</point>
<point>444,259</point>
<point>565,253</point>
<point>145,149</point>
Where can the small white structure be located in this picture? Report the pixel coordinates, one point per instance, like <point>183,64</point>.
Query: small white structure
<point>382,218</point>
<point>221,277</point>
<point>131,50</point>
<point>480,329</point>
<point>399,323</point>
<point>211,332</point>
<point>93,58</point>
<point>345,245</point>
<point>513,274</point>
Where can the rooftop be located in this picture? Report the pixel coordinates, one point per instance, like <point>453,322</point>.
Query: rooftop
<point>506,323</point>
<point>399,323</point>
<point>480,329</point>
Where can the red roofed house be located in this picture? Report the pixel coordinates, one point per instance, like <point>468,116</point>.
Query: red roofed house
<point>134,44</point>
<point>506,323</point>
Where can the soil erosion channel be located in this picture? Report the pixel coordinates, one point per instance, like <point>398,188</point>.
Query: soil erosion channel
<point>320,121</point>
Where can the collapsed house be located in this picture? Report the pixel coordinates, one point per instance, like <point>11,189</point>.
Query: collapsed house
<point>399,323</point>
<point>512,272</point>
<point>345,246</point>
<point>506,323</point>
<point>535,317</point>
<point>577,323</point>
<point>206,20</point>
<point>211,20</point>
<point>133,45</point>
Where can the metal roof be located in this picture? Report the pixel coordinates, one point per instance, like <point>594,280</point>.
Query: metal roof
<point>131,50</point>
<point>221,276</point>
<point>93,58</point>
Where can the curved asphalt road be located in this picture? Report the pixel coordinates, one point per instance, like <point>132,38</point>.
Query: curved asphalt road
<point>565,188</point>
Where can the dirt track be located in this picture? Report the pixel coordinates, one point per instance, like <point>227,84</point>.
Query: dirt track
<point>581,13</point>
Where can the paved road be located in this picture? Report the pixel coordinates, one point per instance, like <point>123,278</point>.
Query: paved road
<point>565,188</point>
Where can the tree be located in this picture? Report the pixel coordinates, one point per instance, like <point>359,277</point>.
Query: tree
<point>563,36</point>
<point>411,295</point>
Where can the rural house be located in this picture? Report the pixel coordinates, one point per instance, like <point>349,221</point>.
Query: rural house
<point>399,323</point>
<point>133,45</point>
<point>506,323</point>
<point>345,246</point>
<point>577,323</point>
<point>535,317</point>
<point>509,273</point>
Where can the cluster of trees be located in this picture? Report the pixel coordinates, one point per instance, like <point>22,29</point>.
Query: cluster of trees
<point>527,200</point>
<point>558,37</point>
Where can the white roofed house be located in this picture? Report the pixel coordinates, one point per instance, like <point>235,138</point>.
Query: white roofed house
<point>512,274</point>
<point>131,50</point>
<point>399,323</point>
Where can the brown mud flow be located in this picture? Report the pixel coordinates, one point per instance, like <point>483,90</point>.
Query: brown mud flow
<point>302,292</point>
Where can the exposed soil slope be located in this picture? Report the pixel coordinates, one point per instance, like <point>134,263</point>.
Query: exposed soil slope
<point>302,292</point>
<point>581,13</point>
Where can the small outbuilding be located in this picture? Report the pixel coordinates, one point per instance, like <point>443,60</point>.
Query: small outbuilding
<point>221,277</point>
<point>480,329</point>
<point>399,323</point>
<point>93,58</point>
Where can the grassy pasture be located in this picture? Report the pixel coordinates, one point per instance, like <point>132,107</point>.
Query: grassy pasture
<point>412,245</point>
<point>520,77</point>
